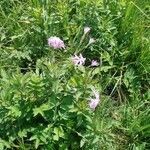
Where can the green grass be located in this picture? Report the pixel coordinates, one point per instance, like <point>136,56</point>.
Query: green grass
<point>121,30</point>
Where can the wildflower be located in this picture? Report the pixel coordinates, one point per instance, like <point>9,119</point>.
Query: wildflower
<point>78,60</point>
<point>91,41</point>
<point>56,42</point>
<point>86,30</point>
<point>94,101</point>
<point>94,63</point>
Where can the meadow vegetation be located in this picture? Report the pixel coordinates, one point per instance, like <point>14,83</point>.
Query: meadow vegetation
<point>46,92</point>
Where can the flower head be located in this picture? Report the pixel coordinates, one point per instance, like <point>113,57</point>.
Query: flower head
<point>94,101</point>
<point>94,63</point>
<point>78,60</point>
<point>86,30</point>
<point>56,42</point>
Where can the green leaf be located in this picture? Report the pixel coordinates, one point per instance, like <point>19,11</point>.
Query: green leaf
<point>55,137</point>
<point>106,68</point>
<point>3,144</point>
<point>82,142</point>
<point>58,133</point>
<point>81,68</point>
<point>37,143</point>
<point>95,71</point>
<point>22,133</point>
<point>14,111</point>
<point>41,109</point>
<point>96,139</point>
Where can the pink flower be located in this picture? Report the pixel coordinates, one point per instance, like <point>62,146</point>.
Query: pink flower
<point>56,42</point>
<point>94,101</point>
<point>86,30</point>
<point>91,41</point>
<point>78,60</point>
<point>94,63</point>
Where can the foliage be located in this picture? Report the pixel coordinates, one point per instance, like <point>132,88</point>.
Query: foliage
<point>44,98</point>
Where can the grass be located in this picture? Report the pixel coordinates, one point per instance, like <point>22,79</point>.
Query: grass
<point>121,30</point>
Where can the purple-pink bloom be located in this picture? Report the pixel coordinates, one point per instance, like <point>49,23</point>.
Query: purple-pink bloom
<point>86,30</point>
<point>78,60</point>
<point>94,63</point>
<point>94,101</point>
<point>56,42</point>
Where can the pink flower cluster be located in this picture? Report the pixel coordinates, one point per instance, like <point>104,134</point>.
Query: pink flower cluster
<point>56,42</point>
<point>78,60</point>
<point>94,63</point>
